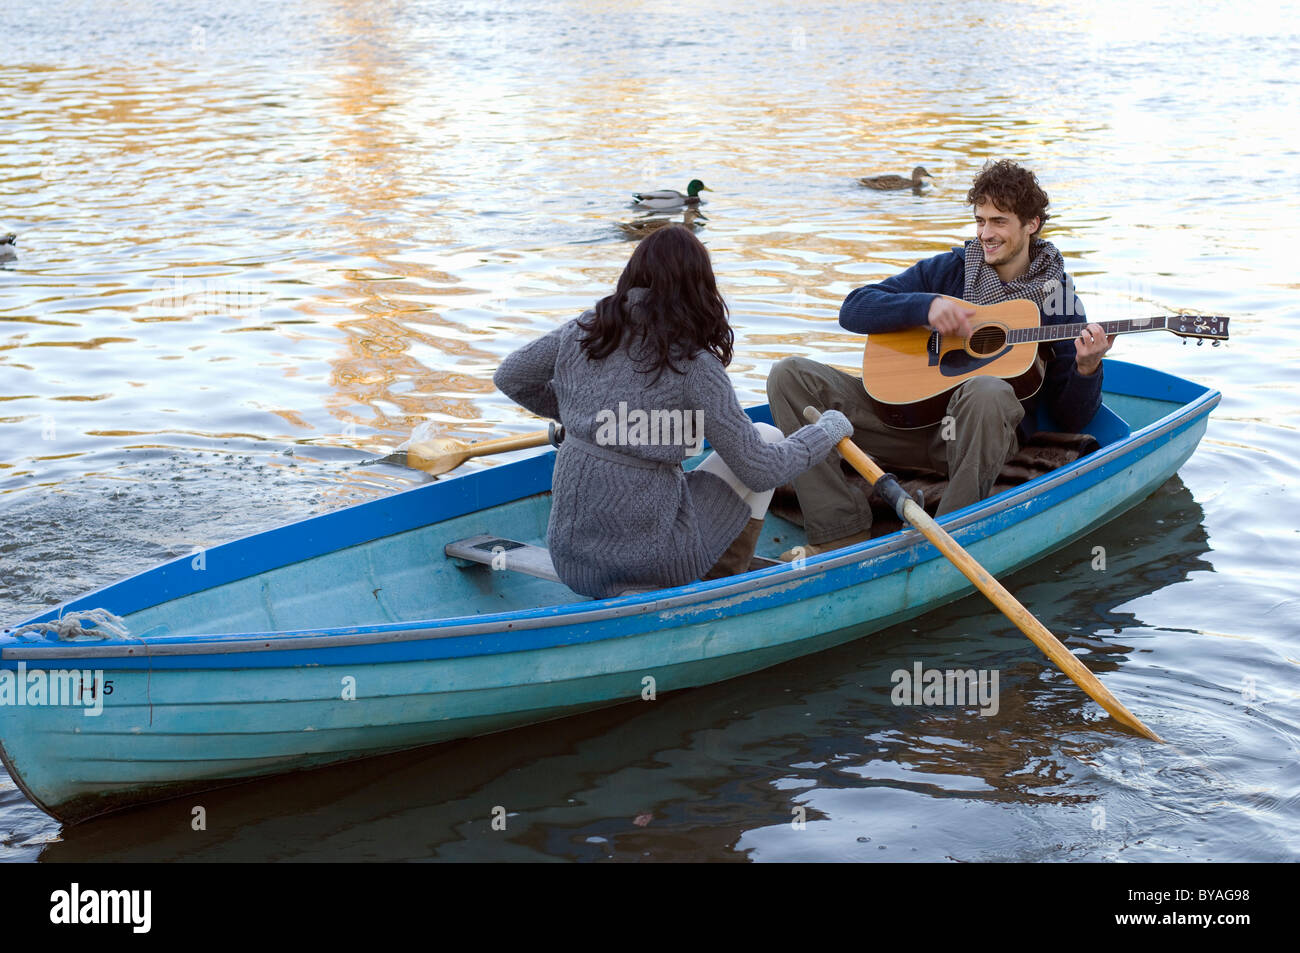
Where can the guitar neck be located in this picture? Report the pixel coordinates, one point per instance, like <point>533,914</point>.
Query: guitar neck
<point>1064,332</point>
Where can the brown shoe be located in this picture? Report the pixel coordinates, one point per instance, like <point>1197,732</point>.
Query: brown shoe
<point>816,549</point>
<point>736,559</point>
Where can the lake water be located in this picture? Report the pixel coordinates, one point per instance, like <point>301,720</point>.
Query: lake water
<point>260,245</point>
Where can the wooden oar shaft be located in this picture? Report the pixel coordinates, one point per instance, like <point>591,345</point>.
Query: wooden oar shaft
<point>441,455</point>
<point>1024,620</point>
<point>997,594</point>
<point>506,444</point>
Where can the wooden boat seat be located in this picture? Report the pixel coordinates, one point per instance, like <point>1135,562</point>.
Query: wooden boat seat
<point>511,555</point>
<point>1045,451</point>
<point>501,553</point>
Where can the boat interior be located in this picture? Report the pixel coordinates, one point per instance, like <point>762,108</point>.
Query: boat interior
<point>411,576</point>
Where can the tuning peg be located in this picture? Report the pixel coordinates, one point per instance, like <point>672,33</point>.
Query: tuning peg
<point>1214,343</point>
<point>1200,341</point>
<point>1184,342</point>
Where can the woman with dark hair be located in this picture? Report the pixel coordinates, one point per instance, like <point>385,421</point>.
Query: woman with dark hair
<point>638,383</point>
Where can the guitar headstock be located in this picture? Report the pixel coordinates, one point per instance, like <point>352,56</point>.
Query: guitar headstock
<point>1206,327</point>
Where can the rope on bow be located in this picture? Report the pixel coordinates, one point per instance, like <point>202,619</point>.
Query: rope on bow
<point>73,626</point>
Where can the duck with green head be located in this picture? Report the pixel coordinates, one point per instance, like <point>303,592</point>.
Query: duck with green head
<point>668,198</point>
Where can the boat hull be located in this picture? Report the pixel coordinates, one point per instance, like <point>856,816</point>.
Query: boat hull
<point>191,711</point>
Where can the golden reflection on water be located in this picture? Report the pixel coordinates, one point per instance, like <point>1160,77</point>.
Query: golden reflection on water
<point>418,216</point>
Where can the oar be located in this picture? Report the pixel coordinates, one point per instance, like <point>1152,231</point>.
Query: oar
<point>446,453</point>
<point>911,512</point>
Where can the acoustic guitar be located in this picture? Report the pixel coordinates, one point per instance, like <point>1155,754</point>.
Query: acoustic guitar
<point>910,375</point>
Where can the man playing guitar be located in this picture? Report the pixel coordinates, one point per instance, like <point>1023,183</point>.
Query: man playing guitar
<point>1006,261</point>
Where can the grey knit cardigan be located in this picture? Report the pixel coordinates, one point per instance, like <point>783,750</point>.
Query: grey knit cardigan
<point>623,513</point>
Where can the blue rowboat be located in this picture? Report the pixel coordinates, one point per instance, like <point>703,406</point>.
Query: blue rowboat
<point>355,633</point>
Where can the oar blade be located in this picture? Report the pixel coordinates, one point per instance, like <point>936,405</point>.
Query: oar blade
<point>437,456</point>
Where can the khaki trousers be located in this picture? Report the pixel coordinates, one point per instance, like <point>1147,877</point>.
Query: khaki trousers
<point>969,448</point>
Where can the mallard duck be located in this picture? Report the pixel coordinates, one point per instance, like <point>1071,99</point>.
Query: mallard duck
<point>7,242</point>
<point>641,227</point>
<point>667,198</point>
<point>887,182</point>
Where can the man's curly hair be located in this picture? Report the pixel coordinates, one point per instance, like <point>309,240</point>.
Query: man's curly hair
<point>1012,189</point>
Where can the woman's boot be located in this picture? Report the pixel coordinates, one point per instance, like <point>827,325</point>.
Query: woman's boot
<point>738,555</point>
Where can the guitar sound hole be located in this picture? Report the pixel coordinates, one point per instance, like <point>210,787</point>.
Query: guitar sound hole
<point>987,340</point>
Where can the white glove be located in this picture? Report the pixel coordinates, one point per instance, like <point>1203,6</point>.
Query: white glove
<point>835,424</point>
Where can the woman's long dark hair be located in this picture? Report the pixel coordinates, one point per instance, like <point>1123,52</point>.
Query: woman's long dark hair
<point>679,314</point>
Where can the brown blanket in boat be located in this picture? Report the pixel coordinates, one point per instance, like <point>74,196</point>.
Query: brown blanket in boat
<point>1043,453</point>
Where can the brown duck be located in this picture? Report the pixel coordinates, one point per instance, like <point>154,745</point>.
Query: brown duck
<point>888,182</point>
<point>641,227</point>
